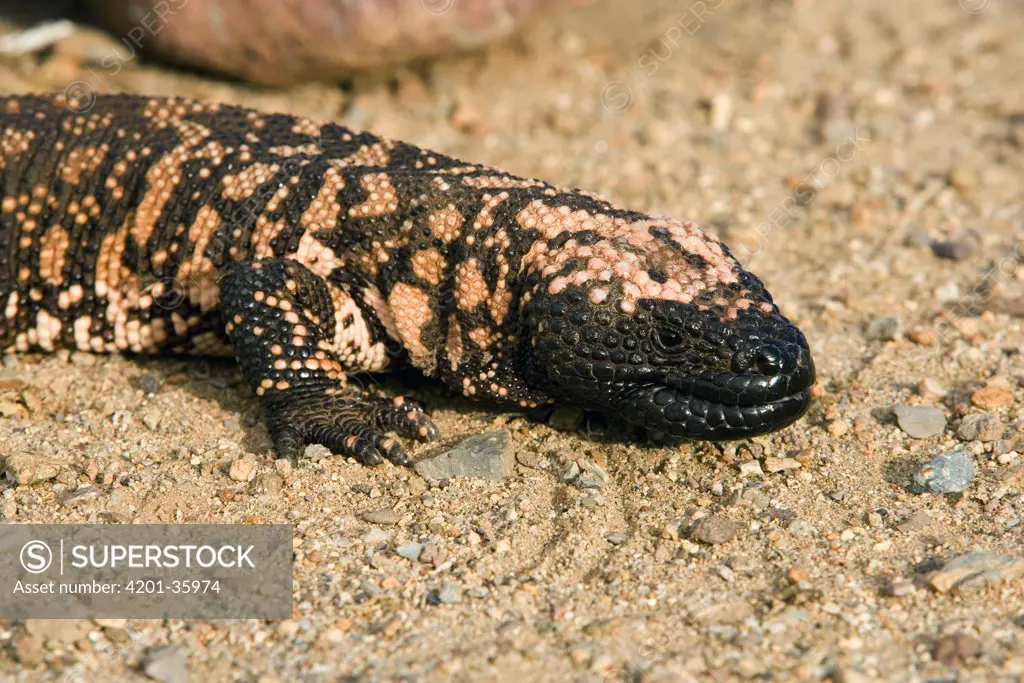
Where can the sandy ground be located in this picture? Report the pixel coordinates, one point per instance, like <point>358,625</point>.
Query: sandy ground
<point>830,144</point>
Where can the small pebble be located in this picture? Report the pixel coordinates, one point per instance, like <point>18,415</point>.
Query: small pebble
<point>616,537</point>
<point>488,455</point>
<point>25,469</point>
<point>449,594</point>
<point>81,495</point>
<point>920,422</point>
<point>997,393</point>
<point>410,551</point>
<point>930,388</point>
<point>166,664</point>
<point>847,674</point>
<point>384,516</point>
<point>779,464</point>
<point>954,250</point>
<point>901,587</point>
<point>963,178</point>
<point>976,572</point>
<point>798,574</point>
<point>376,536</point>
<point>925,336</point>
<point>148,383</point>
<point>946,473</point>
<point>714,530</point>
<point>433,554</point>
<point>581,655</point>
<point>751,468</point>
<point>885,329</point>
<point>980,427</point>
<point>584,473</point>
<point>801,527</point>
<point>915,522</point>
<point>242,470</point>
<point>947,292</point>
<point>956,649</point>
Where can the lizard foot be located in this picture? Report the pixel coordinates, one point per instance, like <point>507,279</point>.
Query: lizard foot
<point>348,424</point>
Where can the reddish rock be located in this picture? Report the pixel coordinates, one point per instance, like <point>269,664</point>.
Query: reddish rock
<point>277,42</point>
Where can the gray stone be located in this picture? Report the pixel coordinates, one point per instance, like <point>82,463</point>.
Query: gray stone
<point>384,516</point>
<point>61,630</point>
<point>584,473</point>
<point>899,588</point>
<point>751,468</point>
<point>488,455</point>
<point>954,250</point>
<point>981,427</point>
<point>976,571</point>
<point>616,537</point>
<point>148,383</point>
<point>450,594</point>
<point>920,422</point>
<point>376,536</point>
<point>801,527</point>
<point>885,329</point>
<point>25,469</point>
<point>166,664</point>
<point>82,494</point>
<point>714,530</point>
<point>946,473</point>
<point>410,551</point>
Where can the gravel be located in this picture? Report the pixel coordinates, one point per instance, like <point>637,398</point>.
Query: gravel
<point>584,473</point>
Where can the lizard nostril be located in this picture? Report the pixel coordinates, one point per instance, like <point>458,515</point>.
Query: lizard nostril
<point>767,359</point>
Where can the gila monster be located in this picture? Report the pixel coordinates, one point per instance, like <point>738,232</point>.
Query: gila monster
<point>309,251</point>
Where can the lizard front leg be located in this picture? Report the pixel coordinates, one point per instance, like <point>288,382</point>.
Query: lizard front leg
<point>280,318</point>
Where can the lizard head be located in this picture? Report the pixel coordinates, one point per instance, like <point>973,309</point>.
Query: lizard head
<point>657,324</point>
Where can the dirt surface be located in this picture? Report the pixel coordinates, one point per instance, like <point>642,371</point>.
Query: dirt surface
<point>842,149</point>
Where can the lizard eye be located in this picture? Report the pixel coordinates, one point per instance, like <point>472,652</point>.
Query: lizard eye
<point>668,339</point>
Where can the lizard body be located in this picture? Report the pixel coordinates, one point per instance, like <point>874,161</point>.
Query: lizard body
<point>310,251</point>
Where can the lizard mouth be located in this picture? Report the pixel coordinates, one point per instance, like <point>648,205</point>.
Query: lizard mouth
<point>719,407</point>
